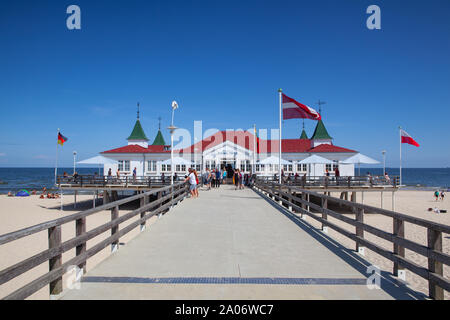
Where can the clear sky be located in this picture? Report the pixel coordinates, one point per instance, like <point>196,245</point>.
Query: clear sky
<point>223,61</point>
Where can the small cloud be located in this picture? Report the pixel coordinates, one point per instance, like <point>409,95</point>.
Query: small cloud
<point>41,157</point>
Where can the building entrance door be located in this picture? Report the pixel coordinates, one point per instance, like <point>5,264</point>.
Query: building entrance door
<point>228,165</point>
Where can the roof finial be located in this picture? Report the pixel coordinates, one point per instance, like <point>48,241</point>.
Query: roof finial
<point>138,110</point>
<point>303,123</point>
<point>320,103</point>
<point>159,126</point>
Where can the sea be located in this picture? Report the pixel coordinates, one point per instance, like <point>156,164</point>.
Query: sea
<point>16,179</point>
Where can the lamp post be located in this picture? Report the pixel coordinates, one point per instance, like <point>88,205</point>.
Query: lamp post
<point>74,160</point>
<point>172,129</point>
<point>384,161</point>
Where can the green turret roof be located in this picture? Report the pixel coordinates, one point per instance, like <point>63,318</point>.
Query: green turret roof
<point>138,132</point>
<point>320,132</point>
<point>159,140</point>
<point>303,135</point>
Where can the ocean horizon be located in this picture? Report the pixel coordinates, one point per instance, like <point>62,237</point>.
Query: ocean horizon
<point>35,178</point>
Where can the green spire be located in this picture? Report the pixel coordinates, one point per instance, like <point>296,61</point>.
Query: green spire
<point>303,136</point>
<point>138,132</point>
<point>320,132</point>
<point>159,140</point>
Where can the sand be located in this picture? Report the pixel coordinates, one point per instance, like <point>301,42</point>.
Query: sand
<point>413,203</point>
<point>17,213</point>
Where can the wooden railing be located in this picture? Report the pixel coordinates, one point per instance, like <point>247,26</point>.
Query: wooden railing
<point>335,182</point>
<point>123,181</point>
<point>165,197</point>
<point>300,201</point>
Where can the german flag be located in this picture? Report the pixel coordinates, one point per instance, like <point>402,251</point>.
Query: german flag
<point>61,139</point>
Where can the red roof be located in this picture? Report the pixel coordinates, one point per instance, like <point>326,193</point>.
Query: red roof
<point>329,148</point>
<point>134,148</point>
<point>241,138</point>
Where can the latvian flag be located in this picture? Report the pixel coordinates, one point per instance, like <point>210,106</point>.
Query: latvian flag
<point>61,139</point>
<point>293,109</point>
<point>406,138</point>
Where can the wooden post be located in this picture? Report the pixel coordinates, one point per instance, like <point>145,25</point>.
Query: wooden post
<point>142,202</point>
<point>359,230</point>
<point>54,240</point>
<point>399,231</point>
<point>290,199</point>
<point>75,199</point>
<point>393,201</point>
<point>435,243</point>
<point>159,195</point>
<point>115,229</point>
<point>324,215</point>
<point>106,198</point>
<point>80,229</point>
<point>381,199</point>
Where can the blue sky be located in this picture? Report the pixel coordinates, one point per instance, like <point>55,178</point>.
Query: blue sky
<point>223,61</point>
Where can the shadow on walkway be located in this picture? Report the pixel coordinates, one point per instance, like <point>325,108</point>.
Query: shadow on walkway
<point>388,282</point>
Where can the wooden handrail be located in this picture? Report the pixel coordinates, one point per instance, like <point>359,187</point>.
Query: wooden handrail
<point>436,258</point>
<point>56,247</point>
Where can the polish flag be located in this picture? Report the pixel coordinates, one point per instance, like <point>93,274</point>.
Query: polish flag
<point>293,109</point>
<point>406,138</point>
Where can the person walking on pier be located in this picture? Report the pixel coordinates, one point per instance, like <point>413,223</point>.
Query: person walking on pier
<point>236,179</point>
<point>134,174</point>
<point>218,177</point>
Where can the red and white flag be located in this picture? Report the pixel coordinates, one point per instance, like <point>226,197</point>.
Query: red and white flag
<point>406,138</point>
<point>293,109</point>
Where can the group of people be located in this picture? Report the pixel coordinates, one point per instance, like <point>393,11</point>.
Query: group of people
<point>213,178</point>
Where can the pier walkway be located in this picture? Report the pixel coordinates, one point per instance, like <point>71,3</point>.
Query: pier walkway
<point>230,244</point>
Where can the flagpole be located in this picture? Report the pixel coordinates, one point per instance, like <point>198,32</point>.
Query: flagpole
<point>254,150</point>
<point>56,161</point>
<point>279,151</point>
<point>400,136</point>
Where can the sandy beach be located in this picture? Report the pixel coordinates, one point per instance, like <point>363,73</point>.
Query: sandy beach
<point>413,203</point>
<point>17,213</point>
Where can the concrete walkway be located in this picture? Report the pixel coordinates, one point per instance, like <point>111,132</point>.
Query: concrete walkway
<point>230,244</point>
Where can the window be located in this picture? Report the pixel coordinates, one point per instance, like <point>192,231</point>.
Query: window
<point>247,165</point>
<point>124,165</point>
<point>258,168</point>
<point>197,167</point>
<point>183,167</point>
<point>328,167</point>
<point>210,164</point>
<point>178,167</point>
<point>151,165</point>
<point>305,167</point>
<point>242,166</point>
<point>165,167</point>
<point>335,166</point>
<point>290,167</point>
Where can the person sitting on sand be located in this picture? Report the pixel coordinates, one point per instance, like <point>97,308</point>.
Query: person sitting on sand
<point>442,195</point>
<point>41,196</point>
<point>10,194</point>
<point>33,192</point>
